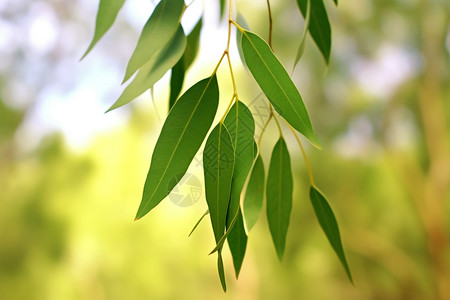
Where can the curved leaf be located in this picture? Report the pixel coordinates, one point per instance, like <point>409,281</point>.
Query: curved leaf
<point>275,82</point>
<point>157,32</point>
<point>239,122</point>
<point>319,26</point>
<point>181,136</point>
<point>106,15</point>
<point>179,70</point>
<point>279,195</point>
<point>218,166</point>
<point>254,195</point>
<point>154,69</point>
<point>301,47</point>
<point>329,225</point>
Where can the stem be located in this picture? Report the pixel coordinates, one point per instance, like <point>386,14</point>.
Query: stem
<point>269,10</point>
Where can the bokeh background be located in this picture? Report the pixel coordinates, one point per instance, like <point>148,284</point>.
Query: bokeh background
<point>71,176</point>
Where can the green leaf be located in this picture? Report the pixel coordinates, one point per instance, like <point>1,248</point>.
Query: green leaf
<point>329,225</point>
<point>319,26</point>
<point>335,2</point>
<point>279,195</point>
<point>179,70</point>
<point>221,272</point>
<point>154,69</point>
<point>239,122</point>
<point>254,195</point>
<point>182,134</point>
<point>241,21</point>
<point>275,82</point>
<point>218,166</point>
<point>301,47</point>
<point>106,15</point>
<point>157,32</point>
<point>222,8</point>
<point>199,221</point>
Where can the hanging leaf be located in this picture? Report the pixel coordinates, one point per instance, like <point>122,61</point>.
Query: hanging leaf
<point>241,21</point>
<point>239,122</point>
<point>157,32</point>
<point>279,195</point>
<point>275,82</point>
<point>329,225</point>
<point>218,166</point>
<point>182,134</point>
<point>154,69</point>
<point>301,47</point>
<point>319,26</point>
<point>221,272</point>
<point>106,15</point>
<point>222,8</point>
<point>335,2</point>
<point>199,221</point>
<point>179,70</point>
<point>254,195</point>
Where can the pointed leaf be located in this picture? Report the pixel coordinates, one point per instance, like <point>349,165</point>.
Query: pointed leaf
<point>335,2</point>
<point>254,195</point>
<point>222,8</point>
<point>329,225</point>
<point>182,134</point>
<point>239,122</point>
<point>319,26</point>
<point>106,15</point>
<point>157,32</point>
<point>179,70</point>
<point>218,165</point>
<point>301,47</point>
<point>199,221</point>
<point>154,69</point>
<point>279,195</point>
<point>275,82</point>
<point>221,272</point>
<point>241,21</point>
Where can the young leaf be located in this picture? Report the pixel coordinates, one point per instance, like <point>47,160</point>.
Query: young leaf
<point>301,47</point>
<point>154,69</point>
<point>319,26</point>
<point>329,225</point>
<point>179,70</point>
<point>239,122</point>
<point>157,32</point>
<point>254,195</point>
<point>182,134</point>
<point>275,82</point>
<point>106,15</point>
<point>218,166</point>
<point>279,195</point>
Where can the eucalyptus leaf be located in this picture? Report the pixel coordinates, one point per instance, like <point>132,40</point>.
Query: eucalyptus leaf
<point>319,26</point>
<point>328,222</point>
<point>301,47</point>
<point>275,82</point>
<point>157,32</point>
<point>241,21</point>
<point>179,70</point>
<point>279,195</point>
<point>106,15</point>
<point>221,272</point>
<point>154,69</point>
<point>218,167</point>
<point>241,125</point>
<point>199,221</point>
<point>254,194</point>
<point>222,8</point>
<point>182,134</point>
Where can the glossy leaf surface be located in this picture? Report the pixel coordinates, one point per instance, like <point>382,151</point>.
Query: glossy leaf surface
<point>218,165</point>
<point>106,15</point>
<point>319,26</point>
<point>275,82</point>
<point>328,222</point>
<point>279,195</point>
<point>254,195</point>
<point>157,32</point>
<point>154,69</point>
<point>239,122</point>
<point>182,134</point>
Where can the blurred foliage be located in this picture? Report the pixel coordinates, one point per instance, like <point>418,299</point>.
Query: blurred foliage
<point>381,111</point>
